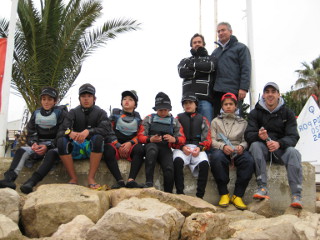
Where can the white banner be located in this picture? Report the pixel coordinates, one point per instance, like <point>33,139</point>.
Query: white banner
<point>309,130</point>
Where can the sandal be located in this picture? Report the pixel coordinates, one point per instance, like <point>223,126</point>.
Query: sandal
<point>95,186</point>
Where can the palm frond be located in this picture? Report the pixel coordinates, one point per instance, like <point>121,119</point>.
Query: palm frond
<point>52,43</point>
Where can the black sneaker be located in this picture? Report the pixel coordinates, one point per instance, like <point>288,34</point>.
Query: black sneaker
<point>7,184</point>
<point>119,184</point>
<point>148,185</point>
<point>134,184</point>
<point>27,187</point>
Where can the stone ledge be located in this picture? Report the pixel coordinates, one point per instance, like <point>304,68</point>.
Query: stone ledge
<point>277,181</point>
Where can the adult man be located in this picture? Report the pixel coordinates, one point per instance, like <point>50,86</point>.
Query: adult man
<point>233,67</point>
<point>82,135</point>
<point>272,133</point>
<point>196,72</point>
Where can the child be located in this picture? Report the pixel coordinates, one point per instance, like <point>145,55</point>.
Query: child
<point>227,132</point>
<point>125,123</point>
<point>196,129</point>
<point>159,132</point>
<point>42,130</point>
<point>82,135</point>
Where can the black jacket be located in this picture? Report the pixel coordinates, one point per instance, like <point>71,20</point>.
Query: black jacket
<point>196,72</point>
<point>94,119</point>
<point>281,125</point>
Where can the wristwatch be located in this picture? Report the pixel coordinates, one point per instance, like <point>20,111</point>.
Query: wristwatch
<point>68,131</point>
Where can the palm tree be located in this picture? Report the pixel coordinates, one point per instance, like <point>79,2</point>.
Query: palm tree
<point>309,81</point>
<point>52,43</point>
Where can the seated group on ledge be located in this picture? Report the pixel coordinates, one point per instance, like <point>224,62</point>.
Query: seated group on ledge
<point>86,132</point>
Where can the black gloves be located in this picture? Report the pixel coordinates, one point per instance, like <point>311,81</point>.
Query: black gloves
<point>202,52</point>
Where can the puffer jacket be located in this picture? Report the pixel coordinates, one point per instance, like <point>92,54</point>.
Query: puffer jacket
<point>281,124</point>
<point>196,72</point>
<point>233,67</point>
<point>232,127</point>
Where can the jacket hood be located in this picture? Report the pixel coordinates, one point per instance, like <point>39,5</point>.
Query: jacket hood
<point>262,105</point>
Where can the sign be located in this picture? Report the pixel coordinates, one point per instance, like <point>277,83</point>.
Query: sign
<point>309,131</point>
<point>3,49</point>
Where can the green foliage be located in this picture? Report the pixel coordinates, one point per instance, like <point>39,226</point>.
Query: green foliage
<point>294,103</point>
<point>245,110</point>
<point>308,82</point>
<point>52,42</point>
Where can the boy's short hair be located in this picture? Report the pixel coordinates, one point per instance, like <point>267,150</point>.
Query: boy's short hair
<point>50,91</point>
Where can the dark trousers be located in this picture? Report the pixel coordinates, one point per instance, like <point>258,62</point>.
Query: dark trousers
<point>137,155</point>
<point>161,153</point>
<point>179,177</point>
<point>220,162</point>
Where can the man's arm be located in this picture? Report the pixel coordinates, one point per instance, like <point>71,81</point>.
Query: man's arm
<point>102,125</point>
<point>291,131</point>
<point>252,131</point>
<point>245,68</point>
<point>184,71</point>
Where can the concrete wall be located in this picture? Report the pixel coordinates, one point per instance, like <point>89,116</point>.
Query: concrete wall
<point>277,181</point>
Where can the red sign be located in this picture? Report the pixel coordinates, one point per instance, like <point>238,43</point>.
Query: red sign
<point>3,49</point>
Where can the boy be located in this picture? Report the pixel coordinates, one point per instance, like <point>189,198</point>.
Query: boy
<point>159,132</point>
<point>227,132</point>
<point>196,129</point>
<point>82,135</point>
<point>42,130</point>
<point>125,124</point>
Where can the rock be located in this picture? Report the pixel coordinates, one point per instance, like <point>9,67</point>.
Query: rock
<point>185,204</point>
<point>9,203</point>
<point>74,230</point>
<point>208,225</point>
<point>317,206</point>
<point>55,204</point>
<point>261,207</point>
<point>9,229</point>
<point>233,214</point>
<point>307,227</point>
<point>135,218</point>
<point>281,227</point>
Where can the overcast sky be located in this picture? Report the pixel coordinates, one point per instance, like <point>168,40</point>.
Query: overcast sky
<point>285,33</point>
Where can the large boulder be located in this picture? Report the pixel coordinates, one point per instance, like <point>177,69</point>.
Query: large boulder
<point>55,204</point>
<point>9,203</point>
<point>208,225</point>
<point>74,230</point>
<point>185,204</point>
<point>9,229</point>
<point>135,218</point>
<point>282,227</point>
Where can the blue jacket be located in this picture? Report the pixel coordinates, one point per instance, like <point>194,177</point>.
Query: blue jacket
<point>233,67</point>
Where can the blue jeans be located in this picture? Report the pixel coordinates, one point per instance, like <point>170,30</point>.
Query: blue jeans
<point>205,108</point>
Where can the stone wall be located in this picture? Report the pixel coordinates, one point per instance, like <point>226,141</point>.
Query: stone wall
<point>277,181</point>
